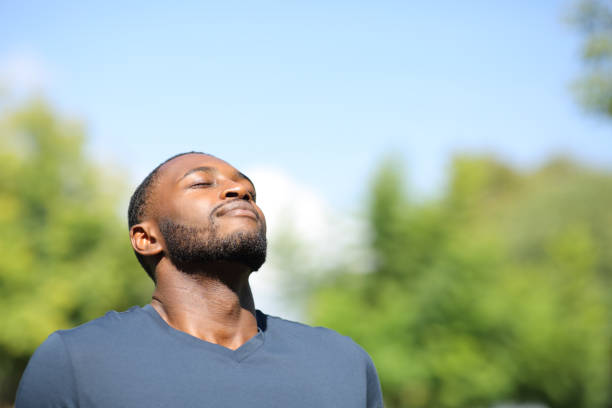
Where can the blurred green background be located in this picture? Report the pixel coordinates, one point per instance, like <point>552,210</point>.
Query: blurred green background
<point>495,290</point>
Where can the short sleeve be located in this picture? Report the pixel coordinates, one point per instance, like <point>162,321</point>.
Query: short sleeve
<point>374,393</point>
<point>48,380</point>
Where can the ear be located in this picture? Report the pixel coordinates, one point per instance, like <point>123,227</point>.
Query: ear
<point>145,239</point>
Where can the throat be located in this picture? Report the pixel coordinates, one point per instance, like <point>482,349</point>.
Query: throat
<point>207,308</point>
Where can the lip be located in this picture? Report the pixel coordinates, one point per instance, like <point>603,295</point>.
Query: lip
<point>238,209</point>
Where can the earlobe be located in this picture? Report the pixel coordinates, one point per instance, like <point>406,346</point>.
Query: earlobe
<point>145,240</point>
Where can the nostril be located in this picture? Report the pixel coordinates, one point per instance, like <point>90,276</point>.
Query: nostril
<point>231,194</point>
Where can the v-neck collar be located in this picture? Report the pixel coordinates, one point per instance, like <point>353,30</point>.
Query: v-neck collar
<point>237,355</point>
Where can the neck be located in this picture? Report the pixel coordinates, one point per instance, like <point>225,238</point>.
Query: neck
<point>213,303</point>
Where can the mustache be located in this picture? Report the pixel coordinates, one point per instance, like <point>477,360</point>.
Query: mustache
<point>235,203</point>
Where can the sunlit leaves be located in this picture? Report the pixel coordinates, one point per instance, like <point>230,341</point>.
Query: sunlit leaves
<point>66,256</point>
<point>495,291</point>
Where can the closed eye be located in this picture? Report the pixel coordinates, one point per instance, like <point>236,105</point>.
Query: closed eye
<point>201,185</point>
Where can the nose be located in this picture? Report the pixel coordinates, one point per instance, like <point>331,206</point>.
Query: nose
<point>236,190</point>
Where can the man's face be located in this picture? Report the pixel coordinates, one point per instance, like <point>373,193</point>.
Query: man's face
<point>206,212</point>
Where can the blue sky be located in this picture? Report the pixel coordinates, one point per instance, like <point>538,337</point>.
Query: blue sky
<point>319,90</point>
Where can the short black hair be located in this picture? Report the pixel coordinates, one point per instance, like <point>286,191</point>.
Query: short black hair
<point>140,201</point>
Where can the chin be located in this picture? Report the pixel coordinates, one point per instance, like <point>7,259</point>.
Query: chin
<point>189,246</point>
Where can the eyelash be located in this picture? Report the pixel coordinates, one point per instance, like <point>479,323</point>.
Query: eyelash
<point>201,184</point>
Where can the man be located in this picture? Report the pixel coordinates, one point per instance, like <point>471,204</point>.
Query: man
<point>198,232</point>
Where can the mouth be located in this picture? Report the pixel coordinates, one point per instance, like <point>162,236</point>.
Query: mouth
<point>238,208</point>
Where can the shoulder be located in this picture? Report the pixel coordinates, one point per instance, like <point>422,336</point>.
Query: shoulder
<point>98,336</point>
<point>112,323</point>
<point>317,337</point>
<point>50,377</point>
<point>112,319</point>
<point>322,347</point>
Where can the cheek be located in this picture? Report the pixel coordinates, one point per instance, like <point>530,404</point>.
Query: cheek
<point>194,213</point>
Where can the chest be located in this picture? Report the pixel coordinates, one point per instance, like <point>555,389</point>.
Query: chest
<point>193,378</point>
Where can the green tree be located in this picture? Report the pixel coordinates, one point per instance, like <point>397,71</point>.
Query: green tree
<point>494,292</point>
<point>66,256</point>
<point>593,19</point>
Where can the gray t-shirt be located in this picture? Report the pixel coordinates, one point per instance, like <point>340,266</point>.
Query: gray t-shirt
<point>135,359</point>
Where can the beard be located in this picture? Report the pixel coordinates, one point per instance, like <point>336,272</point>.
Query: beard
<point>189,247</point>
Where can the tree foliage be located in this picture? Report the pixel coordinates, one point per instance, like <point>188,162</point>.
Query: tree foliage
<point>497,291</point>
<point>66,256</point>
<point>593,19</point>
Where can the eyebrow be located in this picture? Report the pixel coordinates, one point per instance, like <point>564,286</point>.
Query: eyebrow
<point>207,169</point>
<point>204,169</point>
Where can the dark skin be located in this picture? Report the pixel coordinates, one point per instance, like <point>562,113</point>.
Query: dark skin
<point>214,301</point>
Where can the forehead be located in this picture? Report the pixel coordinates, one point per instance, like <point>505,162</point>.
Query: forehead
<point>176,168</point>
